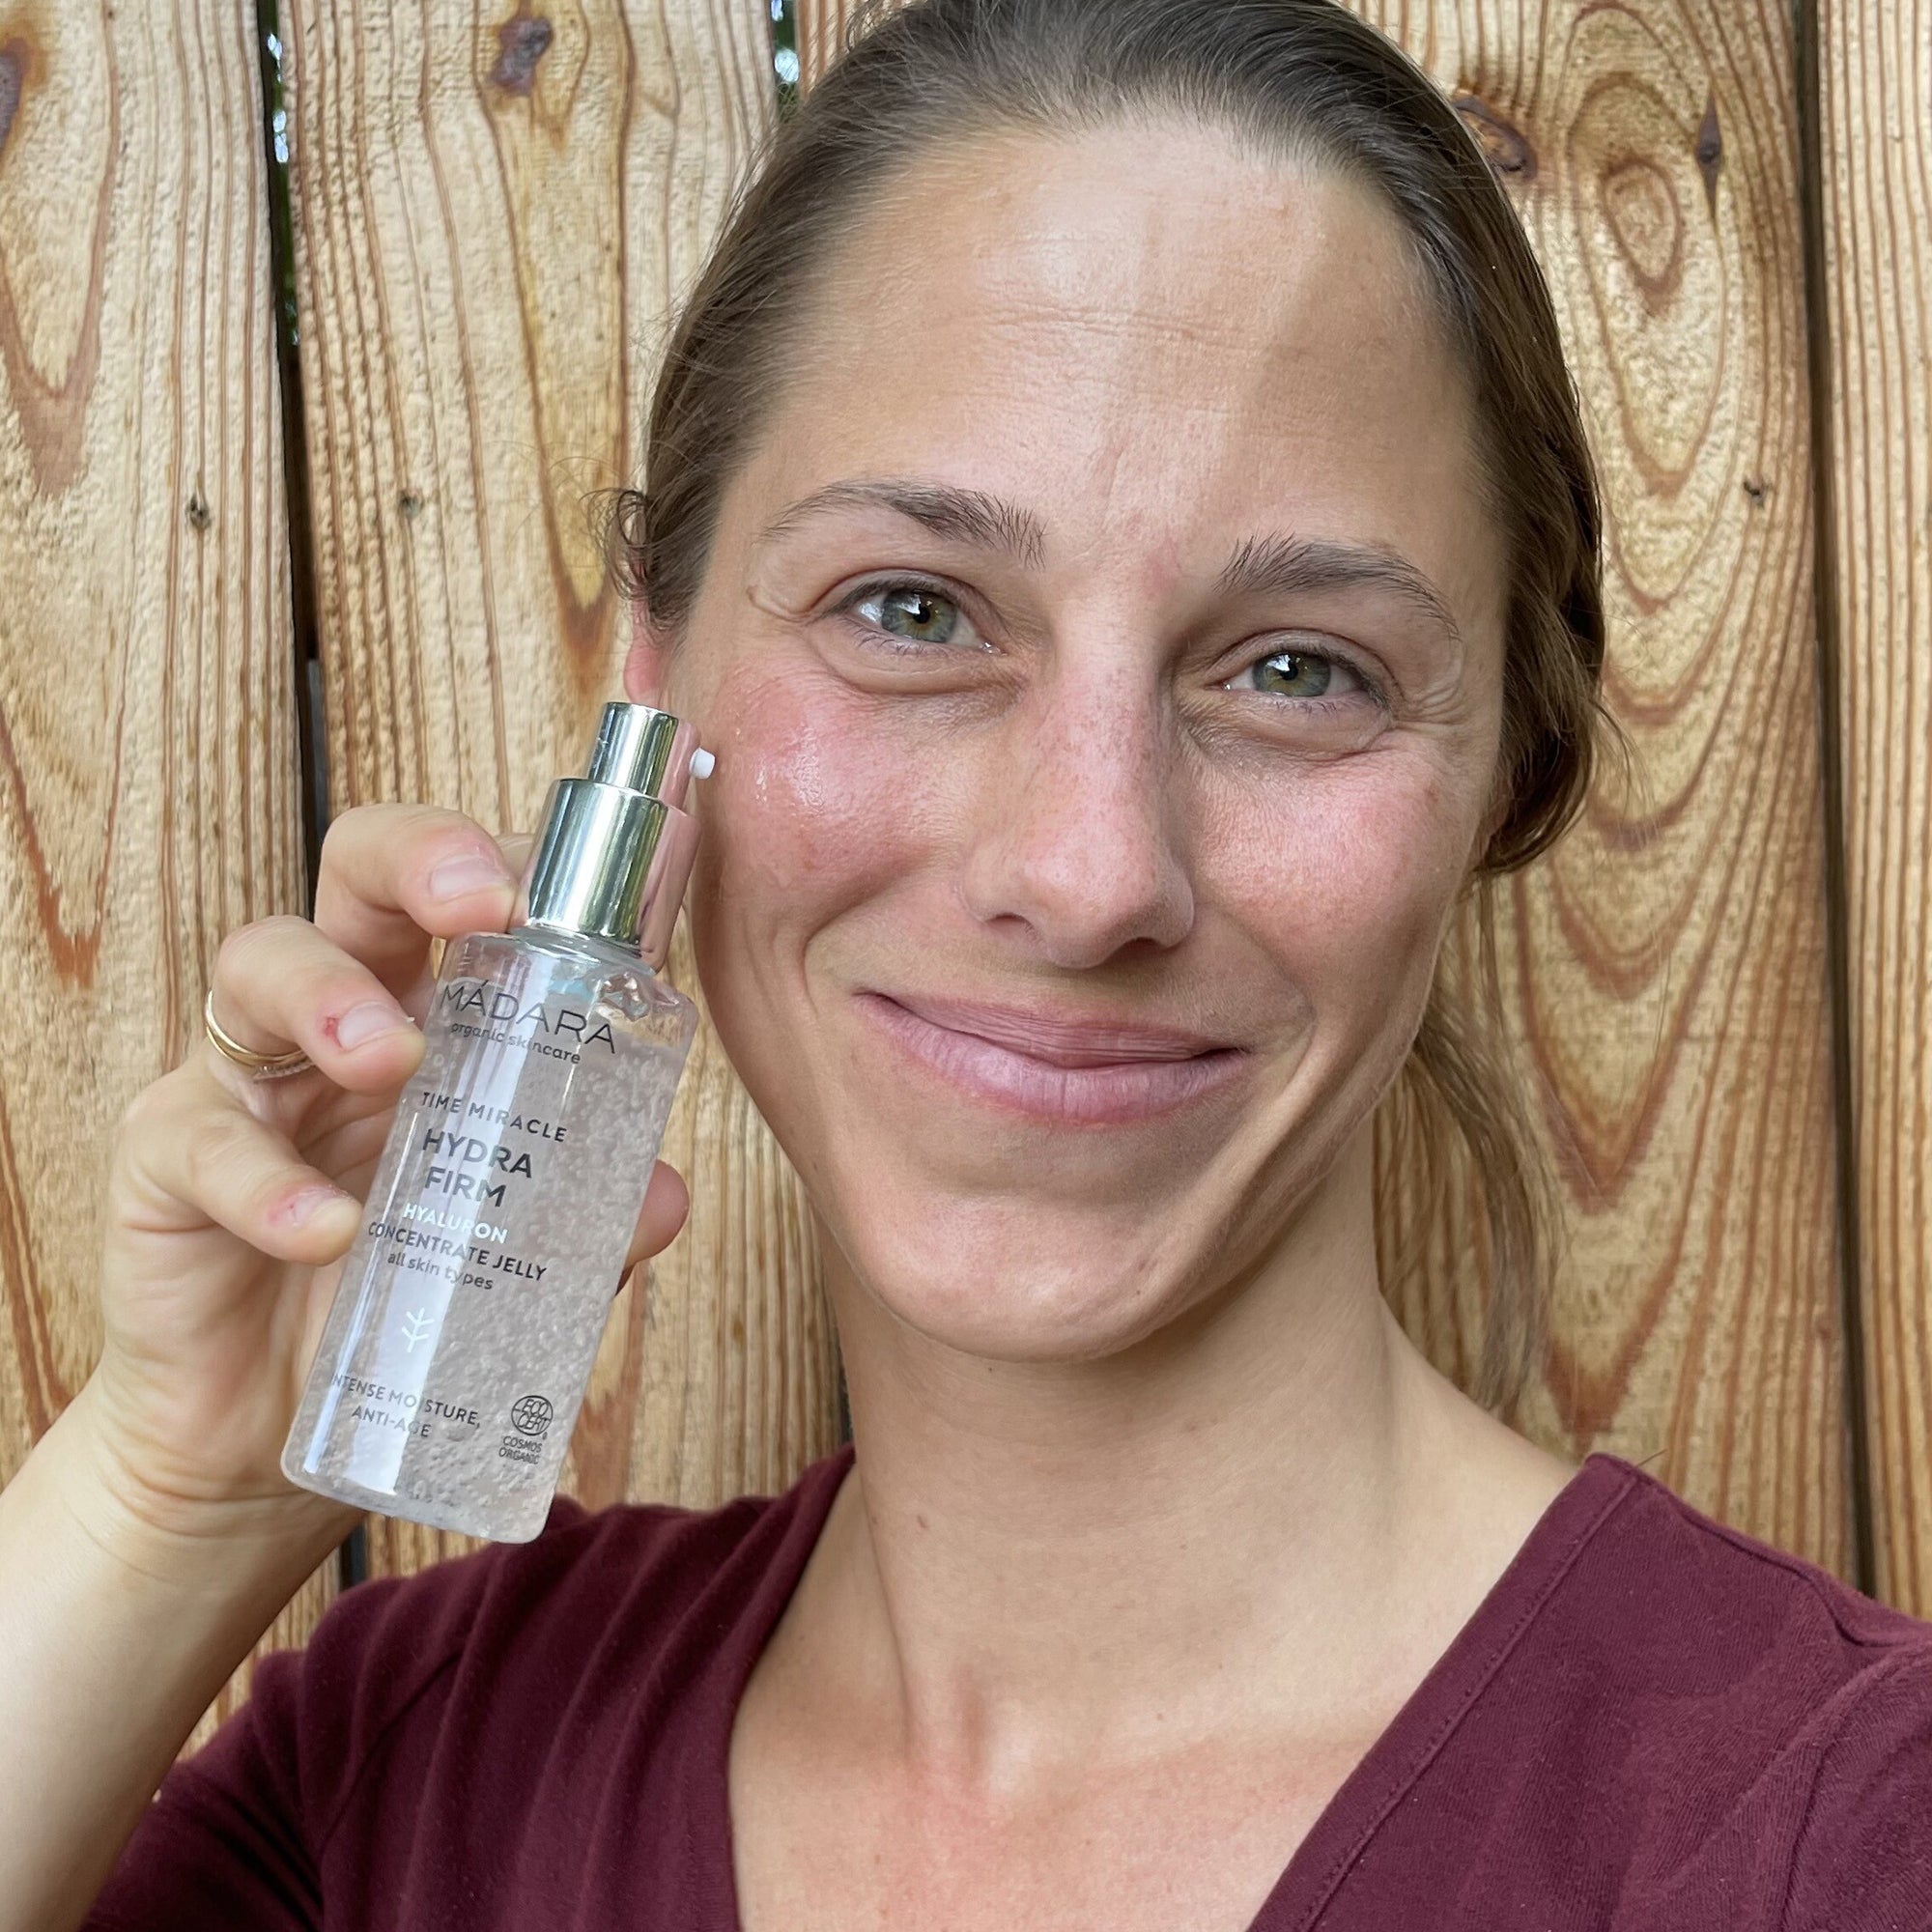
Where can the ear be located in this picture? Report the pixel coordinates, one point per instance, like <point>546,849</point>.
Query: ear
<point>645,664</point>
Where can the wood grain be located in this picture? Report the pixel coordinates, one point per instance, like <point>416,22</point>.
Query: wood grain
<point>1665,967</point>
<point>1875,186</point>
<point>1666,972</point>
<point>148,796</point>
<point>821,27</point>
<point>495,213</point>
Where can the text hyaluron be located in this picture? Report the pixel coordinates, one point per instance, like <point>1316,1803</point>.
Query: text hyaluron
<point>463,1331</point>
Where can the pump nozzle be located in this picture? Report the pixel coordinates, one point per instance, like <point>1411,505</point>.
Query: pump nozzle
<point>614,852</point>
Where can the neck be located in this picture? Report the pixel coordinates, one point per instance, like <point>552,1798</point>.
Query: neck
<point>1097,1554</point>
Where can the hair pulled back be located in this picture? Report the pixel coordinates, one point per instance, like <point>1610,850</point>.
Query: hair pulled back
<point>1307,82</point>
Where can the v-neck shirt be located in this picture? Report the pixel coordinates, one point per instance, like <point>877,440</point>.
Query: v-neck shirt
<point>1651,1722</point>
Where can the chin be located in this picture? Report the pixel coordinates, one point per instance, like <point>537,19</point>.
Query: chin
<point>1016,1282</point>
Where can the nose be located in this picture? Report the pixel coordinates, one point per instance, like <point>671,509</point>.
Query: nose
<point>1079,821</point>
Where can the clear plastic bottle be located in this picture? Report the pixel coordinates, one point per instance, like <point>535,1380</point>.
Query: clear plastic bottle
<point>456,1353</point>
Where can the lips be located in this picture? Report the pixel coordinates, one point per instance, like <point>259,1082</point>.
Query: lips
<point>1061,1039</point>
<point>1095,1070</point>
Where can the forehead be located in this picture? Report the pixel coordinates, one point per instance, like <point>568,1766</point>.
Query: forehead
<point>1155,338</point>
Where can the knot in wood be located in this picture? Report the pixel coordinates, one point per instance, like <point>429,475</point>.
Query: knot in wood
<point>522,41</point>
<point>1505,146</point>
<point>15,65</point>
<point>1709,151</point>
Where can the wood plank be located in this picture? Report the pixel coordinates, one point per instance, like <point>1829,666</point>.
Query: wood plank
<point>821,27</point>
<point>148,786</point>
<point>494,215</point>
<point>1665,971</point>
<point>1666,968</point>
<point>1875,188</point>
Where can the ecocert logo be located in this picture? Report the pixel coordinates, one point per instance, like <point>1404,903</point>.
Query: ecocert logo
<point>484,1002</point>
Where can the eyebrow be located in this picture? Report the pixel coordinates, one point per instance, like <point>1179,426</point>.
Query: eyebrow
<point>963,516</point>
<point>1259,566</point>
<point>1281,565</point>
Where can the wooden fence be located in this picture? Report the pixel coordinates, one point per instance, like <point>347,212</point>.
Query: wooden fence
<point>292,517</point>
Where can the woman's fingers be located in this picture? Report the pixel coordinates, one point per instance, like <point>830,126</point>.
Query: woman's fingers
<point>189,1154</point>
<point>278,982</point>
<point>666,1204</point>
<point>515,847</point>
<point>393,875</point>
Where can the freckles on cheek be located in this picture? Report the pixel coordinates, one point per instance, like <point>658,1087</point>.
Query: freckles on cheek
<point>1350,883</point>
<point>804,791</point>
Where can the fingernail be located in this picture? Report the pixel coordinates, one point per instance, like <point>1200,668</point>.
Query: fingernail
<point>368,1020</point>
<point>309,1202</point>
<point>471,873</point>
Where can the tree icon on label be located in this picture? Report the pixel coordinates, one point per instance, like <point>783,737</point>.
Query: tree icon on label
<point>415,1329</point>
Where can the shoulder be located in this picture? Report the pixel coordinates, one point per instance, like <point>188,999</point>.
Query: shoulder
<point>640,1570</point>
<point>1680,1652</point>
<point>418,1723</point>
<point>466,1655</point>
<point>1665,1573</point>
<point>1862,1855</point>
<point>1778,1707</point>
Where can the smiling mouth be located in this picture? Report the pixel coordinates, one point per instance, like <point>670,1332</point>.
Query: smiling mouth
<point>1051,1067</point>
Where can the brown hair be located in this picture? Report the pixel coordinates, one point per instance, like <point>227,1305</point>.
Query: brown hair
<point>1308,81</point>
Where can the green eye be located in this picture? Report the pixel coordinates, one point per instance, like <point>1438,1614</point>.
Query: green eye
<point>1309,677</point>
<point>1297,673</point>
<point>910,611</point>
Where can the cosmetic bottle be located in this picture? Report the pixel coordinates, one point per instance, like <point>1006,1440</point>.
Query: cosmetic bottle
<point>456,1351</point>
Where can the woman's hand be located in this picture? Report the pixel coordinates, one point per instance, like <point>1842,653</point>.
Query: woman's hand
<point>232,1199</point>
<point>151,1536</point>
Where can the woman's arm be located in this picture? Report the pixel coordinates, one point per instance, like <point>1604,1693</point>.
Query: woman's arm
<point>115,1633</point>
<point>153,1535</point>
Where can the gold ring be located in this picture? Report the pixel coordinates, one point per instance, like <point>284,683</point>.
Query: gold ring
<point>262,1066</point>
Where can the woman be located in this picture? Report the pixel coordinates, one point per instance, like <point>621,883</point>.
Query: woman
<point>1173,588</point>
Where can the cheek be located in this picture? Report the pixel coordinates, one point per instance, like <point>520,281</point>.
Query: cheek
<point>1348,879</point>
<point>809,809</point>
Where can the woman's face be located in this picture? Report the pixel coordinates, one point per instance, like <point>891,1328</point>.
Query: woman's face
<point>1102,654</point>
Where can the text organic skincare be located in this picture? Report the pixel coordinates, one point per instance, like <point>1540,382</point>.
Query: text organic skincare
<point>463,1332</point>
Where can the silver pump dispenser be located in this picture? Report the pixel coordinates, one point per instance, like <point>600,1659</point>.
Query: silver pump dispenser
<point>612,859</point>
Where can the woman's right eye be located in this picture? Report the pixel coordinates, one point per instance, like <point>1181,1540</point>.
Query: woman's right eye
<point>913,612</point>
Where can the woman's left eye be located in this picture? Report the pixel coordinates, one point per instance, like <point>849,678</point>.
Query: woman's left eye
<point>918,614</point>
<point>1303,673</point>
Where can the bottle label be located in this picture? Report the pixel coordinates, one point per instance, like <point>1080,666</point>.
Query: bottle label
<point>470,1308</point>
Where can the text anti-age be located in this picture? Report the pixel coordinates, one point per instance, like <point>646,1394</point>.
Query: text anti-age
<point>462,1336</point>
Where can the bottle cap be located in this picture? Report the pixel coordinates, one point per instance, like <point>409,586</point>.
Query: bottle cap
<point>614,852</point>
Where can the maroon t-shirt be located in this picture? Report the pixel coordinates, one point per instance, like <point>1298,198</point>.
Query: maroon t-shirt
<point>1651,1723</point>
